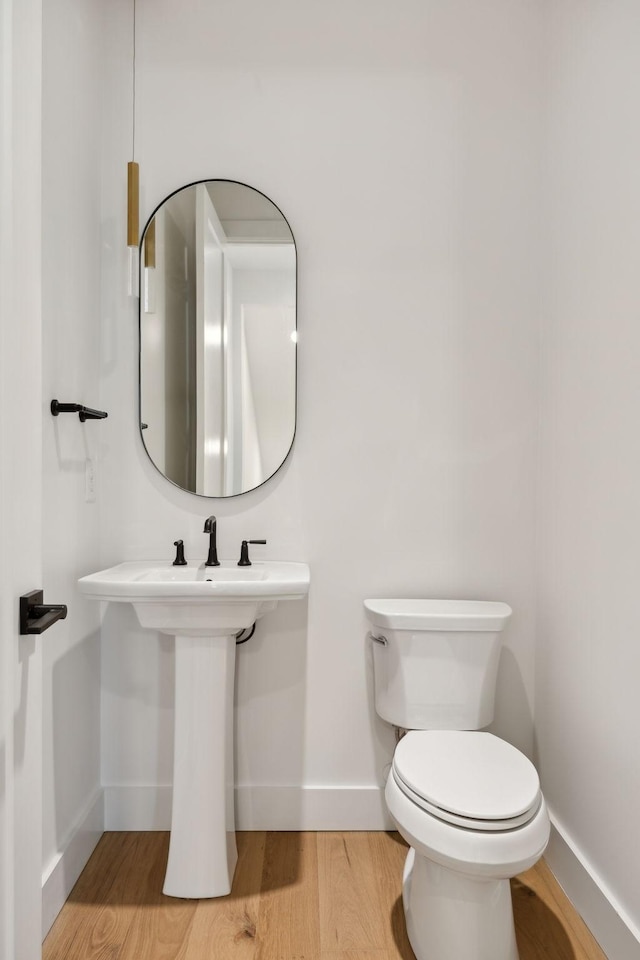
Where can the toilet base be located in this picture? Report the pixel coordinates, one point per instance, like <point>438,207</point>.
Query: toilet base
<point>451,916</point>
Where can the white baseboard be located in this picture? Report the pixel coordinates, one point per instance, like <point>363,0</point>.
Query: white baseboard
<point>62,871</point>
<point>311,808</point>
<point>259,807</point>
<point>607,920</point>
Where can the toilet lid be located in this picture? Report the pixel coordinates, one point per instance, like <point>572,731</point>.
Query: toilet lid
<point>466,777</point>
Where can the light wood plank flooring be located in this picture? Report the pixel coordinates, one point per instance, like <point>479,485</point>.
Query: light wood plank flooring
<point>296,896</point>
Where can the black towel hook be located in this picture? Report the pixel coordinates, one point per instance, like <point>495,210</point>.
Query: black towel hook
<point>85,413</point>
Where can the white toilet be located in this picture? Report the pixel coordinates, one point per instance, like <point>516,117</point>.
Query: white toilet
<point>468,803</point>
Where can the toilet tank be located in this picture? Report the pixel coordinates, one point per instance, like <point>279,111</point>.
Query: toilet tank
<point>435,661</point>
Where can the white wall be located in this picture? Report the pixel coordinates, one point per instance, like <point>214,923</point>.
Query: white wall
<point>588,657</point>
<point>404,149</point>
<point>403,146</point>
<point>71,243</point>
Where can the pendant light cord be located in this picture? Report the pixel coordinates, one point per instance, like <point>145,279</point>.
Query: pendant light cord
<point>133,88</point>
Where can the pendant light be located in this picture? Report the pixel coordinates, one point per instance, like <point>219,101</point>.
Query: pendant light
<point>133,184</point>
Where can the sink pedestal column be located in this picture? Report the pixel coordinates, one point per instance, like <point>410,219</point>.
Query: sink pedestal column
<point>202,848</point>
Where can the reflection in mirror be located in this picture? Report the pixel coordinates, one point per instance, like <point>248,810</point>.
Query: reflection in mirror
<point>218,338</point>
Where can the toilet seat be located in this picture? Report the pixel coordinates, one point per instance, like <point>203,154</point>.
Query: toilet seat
<point>467,778</point>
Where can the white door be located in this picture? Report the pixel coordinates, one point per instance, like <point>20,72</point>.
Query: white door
<point>21,410</point>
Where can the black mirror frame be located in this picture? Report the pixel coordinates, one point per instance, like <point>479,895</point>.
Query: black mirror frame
<point>142,425</point>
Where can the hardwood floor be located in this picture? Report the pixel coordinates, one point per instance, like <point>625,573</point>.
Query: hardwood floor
<point>296,896</point>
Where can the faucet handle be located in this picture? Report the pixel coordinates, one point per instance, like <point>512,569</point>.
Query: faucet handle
<point>244,552</point>
<point>179,560</point>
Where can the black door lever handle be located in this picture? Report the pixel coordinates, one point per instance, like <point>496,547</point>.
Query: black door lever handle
<point>36,616</point>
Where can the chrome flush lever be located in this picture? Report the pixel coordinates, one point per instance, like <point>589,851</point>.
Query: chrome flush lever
<point>381,640</point>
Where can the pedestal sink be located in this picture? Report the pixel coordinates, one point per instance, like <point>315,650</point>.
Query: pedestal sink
<point>203,608</point>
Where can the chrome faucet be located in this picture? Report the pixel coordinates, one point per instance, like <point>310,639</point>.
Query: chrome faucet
<point>210,528</point>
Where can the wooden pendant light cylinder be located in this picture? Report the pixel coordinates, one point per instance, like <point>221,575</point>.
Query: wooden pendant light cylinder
<point>150,244</point>
<point>133,204</point>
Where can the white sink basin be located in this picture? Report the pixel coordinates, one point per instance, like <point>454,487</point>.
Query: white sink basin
<point>222,574</point>
<point>203,607</point>
<point>195,600</point>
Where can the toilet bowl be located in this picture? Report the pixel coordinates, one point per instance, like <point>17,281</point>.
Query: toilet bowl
<point>482,821</point>
<point>468,803</point>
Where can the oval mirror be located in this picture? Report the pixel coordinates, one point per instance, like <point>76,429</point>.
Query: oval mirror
<point>218,338</point>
